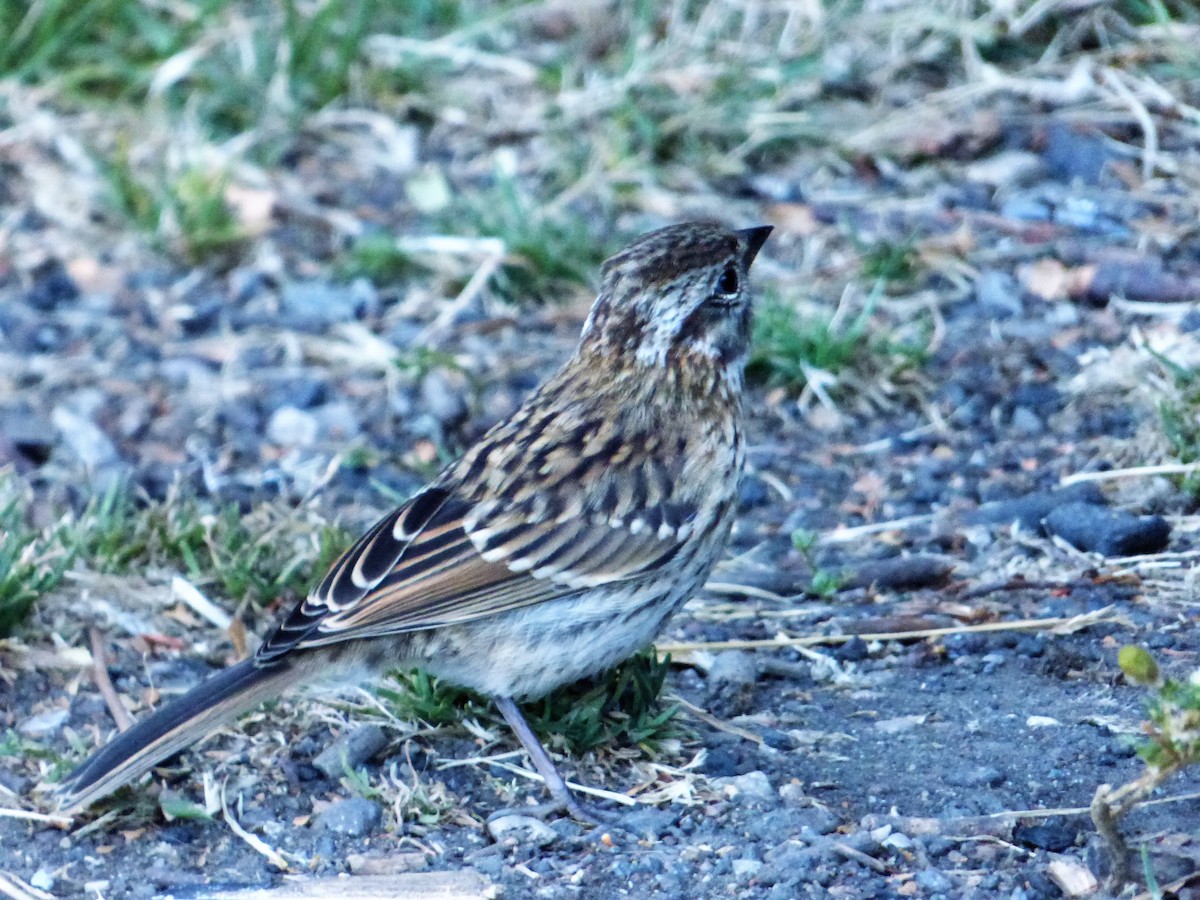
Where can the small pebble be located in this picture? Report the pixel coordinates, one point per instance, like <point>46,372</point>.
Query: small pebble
<point>731,680</point>
<point>351,750</point>
<point>355,817</point>
<point>291,427</point>
<point>745,869</point>
<point>442,396</point>
<point>1096,529</point>
<point>521,830</point>
<point>751,786</point>
<point>1050,835</point>
<point>975,776</point>
<point>933,881</point>
<point>87,441</point>
<point>316,305</point>
<point>42,880</point>
<point>43,724</point>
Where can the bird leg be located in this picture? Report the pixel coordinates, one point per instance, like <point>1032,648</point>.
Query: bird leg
<point>562,800</point>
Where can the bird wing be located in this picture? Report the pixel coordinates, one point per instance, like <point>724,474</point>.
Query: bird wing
<point>441,560</point>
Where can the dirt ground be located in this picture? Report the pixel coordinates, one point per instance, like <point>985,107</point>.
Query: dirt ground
<point>919,700</point>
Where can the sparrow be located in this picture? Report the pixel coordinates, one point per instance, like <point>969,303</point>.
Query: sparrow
<point>557,546</point>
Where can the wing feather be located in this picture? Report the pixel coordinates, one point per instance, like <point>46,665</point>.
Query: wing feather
<point>441,560</point>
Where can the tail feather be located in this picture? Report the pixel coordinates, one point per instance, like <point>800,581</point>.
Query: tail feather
<point>170,729</point>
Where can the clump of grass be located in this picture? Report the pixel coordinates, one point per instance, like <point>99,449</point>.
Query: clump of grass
<point>788,349</point>
<point>1173,729</point>
<point>621,707</point>
<point>550,253</point>
<point>824,582</point>
<point>618,708</point>
<point>102,48</point>
<point>418,695</point>
<point>892,262</point>
<point>32,560</point>
<point>187,213</point>
<point>252,556</point>
<point>206,226</point>
<point>376,256</point>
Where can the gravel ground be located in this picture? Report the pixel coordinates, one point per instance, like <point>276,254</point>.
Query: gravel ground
<point>878,766</point>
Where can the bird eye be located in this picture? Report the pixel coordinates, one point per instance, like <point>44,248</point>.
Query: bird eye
<point>728,282</point>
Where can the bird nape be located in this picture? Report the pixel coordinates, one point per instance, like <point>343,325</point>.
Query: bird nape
<point>555,547</point>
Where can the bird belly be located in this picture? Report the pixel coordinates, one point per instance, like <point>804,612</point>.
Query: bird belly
<point>528,653</point>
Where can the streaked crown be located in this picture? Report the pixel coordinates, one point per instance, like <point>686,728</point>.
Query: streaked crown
<point>677,292</point>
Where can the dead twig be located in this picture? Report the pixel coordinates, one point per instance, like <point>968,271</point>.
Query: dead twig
<point>713,722</point>
<point>12,886</point>
<point>100,674</point>
<point>1131,472</point>
<point>253,840</point>
<point>1110,806</point>
<point>861,858</point>
<point>57,821</point>
<point>1021,584</point>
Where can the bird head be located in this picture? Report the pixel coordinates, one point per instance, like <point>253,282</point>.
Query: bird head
<point>677,294</point>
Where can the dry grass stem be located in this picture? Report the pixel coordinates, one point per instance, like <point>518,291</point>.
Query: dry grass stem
<point>1131,472</point>
<point>252,840</point>
<point>1063,625</point>
<point>100,674</point>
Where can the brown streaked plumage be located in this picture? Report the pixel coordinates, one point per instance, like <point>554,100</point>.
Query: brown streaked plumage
<point>557,545</point>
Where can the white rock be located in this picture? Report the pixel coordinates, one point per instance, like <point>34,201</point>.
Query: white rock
<point>1041,722</point>
<point>746,868</point>
<point>752,786</point>
<point>522,829</point>
<point>42,880</point>
<point>291,427</point>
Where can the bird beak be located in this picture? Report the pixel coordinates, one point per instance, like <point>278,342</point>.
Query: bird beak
<point>754,238</point>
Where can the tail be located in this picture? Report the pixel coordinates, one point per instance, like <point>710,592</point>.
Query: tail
<point>176,726</point>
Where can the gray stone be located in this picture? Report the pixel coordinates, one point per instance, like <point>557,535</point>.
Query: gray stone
<point>336,420</point>
<point>745,869</point>
<point>731,680</point>
<point>442,396</point>
<point>998,293</point>
<point>751,786</point>
<point>934,881</point>
<point>355,817</point>
<point>975,776</point>
<point>1026,421</point>
<point>85,439</point>
<point>44,724</point>
<point>42,880</point>
<point>316,305</point>
<point>351,750</point>
<point>1095,529</point>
